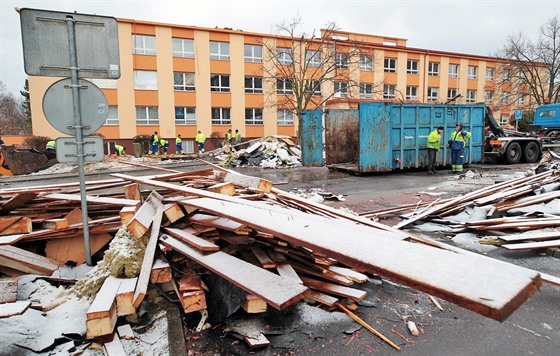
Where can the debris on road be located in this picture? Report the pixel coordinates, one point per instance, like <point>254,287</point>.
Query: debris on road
<point>269,152</point>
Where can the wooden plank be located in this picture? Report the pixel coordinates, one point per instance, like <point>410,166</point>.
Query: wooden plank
<point>15,225</point>
<point>91,199</point>
<point>322,298</point>
<point>25,261</point>
<point>127,214</point>
<point>220,223</point>
<point>125,296</point>
<point>18,200</point>
<point>143,218</point>
<point>254,305</point>
<point>101,316</point>
<point>532,245</point>
<point>190,282</point>
<point>114,347</point>
<point>245,181</point>
<point>192,301</point>
<point>132,192</point>
<point>350,274</point>
<point>125,332</point>
<point>191,239</point>
<point>326,274</point>
<point>494,288</point>
<point>16,308</point>
<point>55,224</point>
<point>256,342</point>
<point>262,257</point>
<point>532,236</point>
<point>149,253</point>
<point>275,290</point>
<point>173,212</point>
<point>8,290</point>
<point>161,272</point>
<point>223,188</point>
<point>72,248</point>
<point>342,291</point>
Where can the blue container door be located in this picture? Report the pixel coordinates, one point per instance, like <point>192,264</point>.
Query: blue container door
<point>375,137</point>
<point>311,138</point>
<point>341,136</point>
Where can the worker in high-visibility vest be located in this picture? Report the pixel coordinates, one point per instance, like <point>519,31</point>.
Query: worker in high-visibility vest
<point>120,150</point>
<point>457,145</point>
<point>434,139</point>
<point>179,145</point>
<point>237,137</point>
<point>164,144</point>
<point>200,139</point>
<point>154,144</point>
<point>229,137</point>
<point>51,146</point>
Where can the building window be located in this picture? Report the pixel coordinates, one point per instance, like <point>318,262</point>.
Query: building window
<point>219,51</point>
<point>313,58</point>
<point>433,94</point>
<point>284,117</point>
<point>283,86</point>
<point>453,71</point>
<point>183,47</point>
<point>366,91</point>
<point>505,98</point>
<point>451,93</point>
<point>388,91</point>
<point>113,117</point>
<point>145,80</point>
<point>147,115</point>
<point>521,99</point>
<point>253,53</point>
<point>488,97</point>
<point>185,116</point>
<point>284,55</point>
<point>313,86</point>
<point>183,81</point>
<point>253,116</point>
<point>366,62</point>
<point>505,75</point>
<point>341,60</point>
<point>340,89</point>
<point>390,65</point>
<point>489,73</point>
<point>105,83</point>
<point>522,77</point>
<point>142,44</point>
<point>219,82</point>
<point>221,116</point>
<point>253,85</point>
<point>412,66</point>
<point>504,119</point>
<point>433,69</point>
<point>472,72</point>
<point>471,95</point>
<point>411,93</point>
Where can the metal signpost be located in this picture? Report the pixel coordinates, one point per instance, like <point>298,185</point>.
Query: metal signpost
<point>60,44</point>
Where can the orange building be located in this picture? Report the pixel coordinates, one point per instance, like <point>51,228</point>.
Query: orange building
<point>178,79</point>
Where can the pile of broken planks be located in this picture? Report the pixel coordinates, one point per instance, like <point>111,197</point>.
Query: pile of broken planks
<point>276,247</point>
<point>520,205</point>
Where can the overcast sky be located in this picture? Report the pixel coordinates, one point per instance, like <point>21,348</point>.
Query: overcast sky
<point>467,26</point>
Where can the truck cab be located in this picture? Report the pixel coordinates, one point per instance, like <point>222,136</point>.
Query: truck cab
<point>547,120</point>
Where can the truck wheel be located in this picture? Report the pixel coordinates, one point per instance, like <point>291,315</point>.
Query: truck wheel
<point>531,153</point>
<point>513,153</point>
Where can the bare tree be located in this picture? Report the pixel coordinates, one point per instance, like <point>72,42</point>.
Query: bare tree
<point>12,115</point>
<point>533,68</point>
<point>305,71</point>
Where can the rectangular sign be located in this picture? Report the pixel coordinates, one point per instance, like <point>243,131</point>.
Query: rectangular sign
<point>67,151</point>
<point>518,114</point>
<point>46,50</point>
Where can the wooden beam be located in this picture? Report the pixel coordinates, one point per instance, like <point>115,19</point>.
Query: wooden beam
<point>143,218</point>
<point>275,290</point>
<point>161,272</point>
<point>18,200</point>
<point>132,192</point>
<point>254,305</point>
<point>242,180</point>
<point>189,238</point>
<point>101,316</point>
<point>127,214</point>
<point>125,296</point>
<point>55,224</point>
<point>192,301</point>
<point>223,188</point>
<point>15,225</point>
<point>173,212</point>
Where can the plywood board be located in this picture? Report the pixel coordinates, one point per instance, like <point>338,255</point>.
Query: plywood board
<point>72,248</point>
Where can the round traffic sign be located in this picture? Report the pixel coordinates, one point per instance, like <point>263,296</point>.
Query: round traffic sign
<point>58,106</point>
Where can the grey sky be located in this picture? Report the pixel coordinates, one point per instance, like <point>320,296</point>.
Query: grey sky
<point>468,26</point>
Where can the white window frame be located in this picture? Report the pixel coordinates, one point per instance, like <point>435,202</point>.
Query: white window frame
<point>252,116</point>
<point>521,99</point>
<point>253,88</point>
<point>366,91</point>
<point>313,58</point>
<point>223,82</point>
<point>366,62</point>
<point>390,65</point>
<point>219,51</point>
<point>105,83</point>
<point>488,96</point>
<point>113,117</point>
<point>411,92</point>
<point>504,100</point>
<point>340,89</point>
<point>504,119</point>
<point>451,93</point>
<point>189,115</point>
<point>472,72</point>
<point>151,114</point>
<point>186,82</point>
<point>253,56</point>
<point>506,75</point>
<point>221,116</point>
<point>453,70</point>
<point>284,117</point>
<point>284,56</point>
<point>433,94</point>
<point>389,91</point>
<point>144,44</point>
<point>313,85</point>
<point>341,60</point>
<point>412,66</point>
<point>433,69</point>
<point>186,47</point>
<point>490,74</point>
<point>471,96</point>
<point>284,86</point>
<point>145,80</point>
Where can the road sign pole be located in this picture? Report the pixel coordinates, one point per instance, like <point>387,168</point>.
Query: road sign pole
<point>75,85</point>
